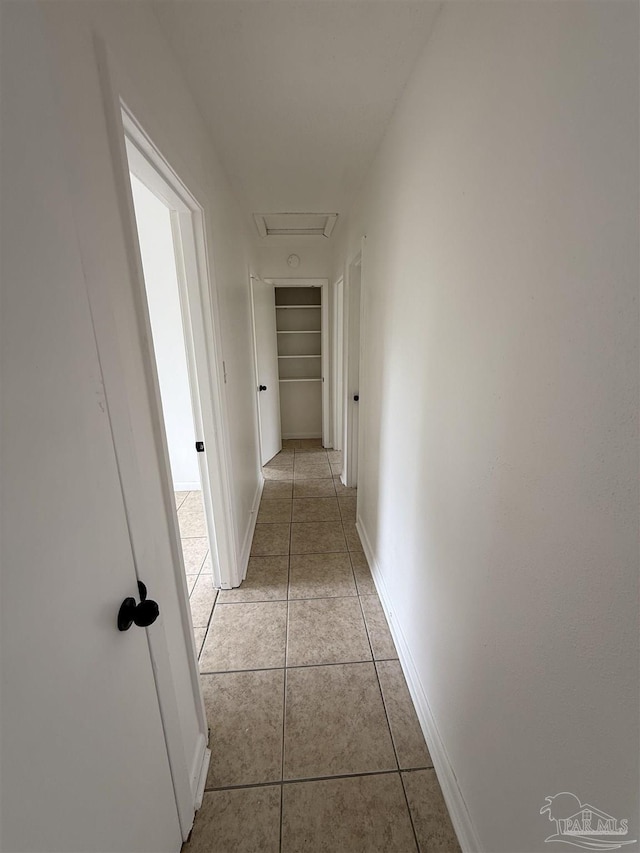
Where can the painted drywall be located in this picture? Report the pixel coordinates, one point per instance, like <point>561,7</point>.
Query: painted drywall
<point>315,254</point>
<point>498,484</point>
<point>306,90</point>
<point>153,220</point>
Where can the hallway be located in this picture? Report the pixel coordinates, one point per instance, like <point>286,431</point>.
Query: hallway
<point>301,682</point>
<point>460,181</point>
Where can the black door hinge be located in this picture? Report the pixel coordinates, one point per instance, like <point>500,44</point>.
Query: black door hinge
<point>200,446</point>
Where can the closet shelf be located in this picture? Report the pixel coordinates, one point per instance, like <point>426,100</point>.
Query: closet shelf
<point>302,332</point>
<point>316,379</point>
<point>278,307</point>
<point>313,355</point>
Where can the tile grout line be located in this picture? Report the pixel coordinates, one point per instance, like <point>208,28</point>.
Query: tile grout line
<point>386,714</point>
<point>209,620</point>
<point>305,779</point>
<point>199,572</point>
<point>294,666</point>
<point>406,799</point>
<point>284,680</point>
<point>384,706</point>
<point>305,598</point>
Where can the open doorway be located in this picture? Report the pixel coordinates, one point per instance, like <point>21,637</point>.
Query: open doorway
<point>291,335</point>
<point>167,318</point>
<point>177,305</point>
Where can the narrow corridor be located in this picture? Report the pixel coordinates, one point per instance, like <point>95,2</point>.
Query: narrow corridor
<point>315,743</point>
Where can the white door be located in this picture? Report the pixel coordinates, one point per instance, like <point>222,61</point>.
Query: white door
<point>352,374</point>
<point>266,356</point>
<point>338,360</point>
<point>84,761</point>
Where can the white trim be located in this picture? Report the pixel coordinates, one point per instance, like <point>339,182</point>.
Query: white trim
<point>327,437</point>
<point>460,817</point>
<point>256,370</point>
<point>362,378</point>
<point>202,778</point>
<point>251,526</point>
<point>337,357</point>
<point>332,218</point>
<point>199,300</point>
<point>295,230</point>
<point>351,385</point>
<point>261,225</point>
<point>296,282</point>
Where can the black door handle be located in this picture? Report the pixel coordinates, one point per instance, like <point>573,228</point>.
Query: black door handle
<point>143,614</point>
<point>356,397</point>
<point>262,387</point>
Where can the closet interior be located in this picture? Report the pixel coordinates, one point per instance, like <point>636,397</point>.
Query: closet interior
<point>299,331</point>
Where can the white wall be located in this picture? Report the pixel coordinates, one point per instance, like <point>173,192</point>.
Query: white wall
<point>498,486</point>
<point>153,220</point>
<point>315,253</point>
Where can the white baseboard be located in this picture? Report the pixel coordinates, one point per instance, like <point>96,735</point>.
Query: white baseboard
<point>199,771</point>
<point>460,817</point>
<point>204,769</point>
<point>187,486</point>
<point>251,526</point>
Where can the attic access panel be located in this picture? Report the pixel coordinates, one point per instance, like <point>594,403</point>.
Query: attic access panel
<point>295,224</point>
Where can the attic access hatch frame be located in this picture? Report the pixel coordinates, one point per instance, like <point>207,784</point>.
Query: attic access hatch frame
<point>295,224</point>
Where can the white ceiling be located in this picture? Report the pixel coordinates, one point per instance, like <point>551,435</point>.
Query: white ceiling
<point>297,93</point>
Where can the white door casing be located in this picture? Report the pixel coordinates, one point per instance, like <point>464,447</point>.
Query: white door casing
<point>352,346</point>
<point>263,306</point>
<point>337,363</point>
<point>198,303</point>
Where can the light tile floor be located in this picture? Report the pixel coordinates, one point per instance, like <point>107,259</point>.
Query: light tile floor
<point>315,742</point>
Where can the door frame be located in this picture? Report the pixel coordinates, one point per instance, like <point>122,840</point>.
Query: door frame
<point>353,336</point>
<point>323,284</point>
<point>337,352</point>
<point>188,772</point>
<point>205,365</point>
